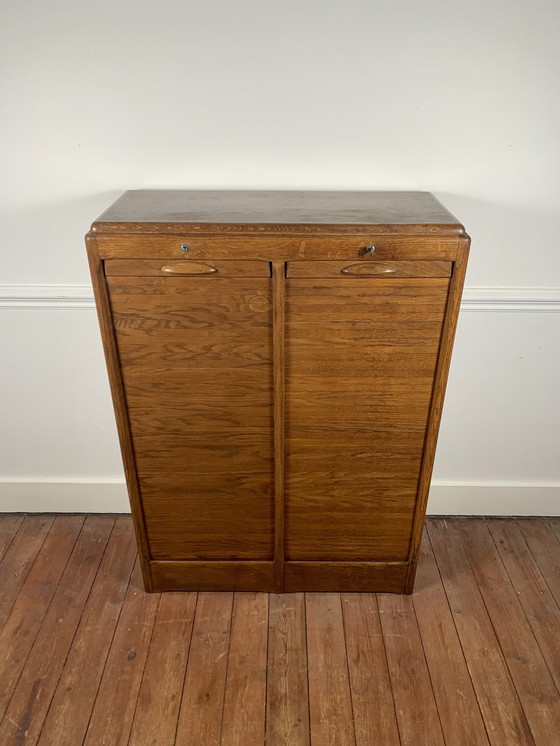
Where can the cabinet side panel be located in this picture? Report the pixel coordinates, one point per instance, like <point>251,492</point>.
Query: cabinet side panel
<point>119,404</point>
<point>361,360</point>
<point>196,358</point>
<point>436,408</point>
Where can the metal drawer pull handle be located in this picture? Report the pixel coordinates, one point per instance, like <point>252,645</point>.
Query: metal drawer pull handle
<point>367,268</point>
<point>369,249</point>
<point>189,268</point>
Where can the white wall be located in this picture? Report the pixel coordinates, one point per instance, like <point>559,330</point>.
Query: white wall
<point>460,99</point>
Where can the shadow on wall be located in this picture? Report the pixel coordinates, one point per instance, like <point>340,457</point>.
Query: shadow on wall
<point>513,245</point>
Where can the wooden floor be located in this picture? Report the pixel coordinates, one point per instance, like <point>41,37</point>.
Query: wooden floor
<point>86,657</point>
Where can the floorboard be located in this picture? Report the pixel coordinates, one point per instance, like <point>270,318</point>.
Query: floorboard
<point>373,703</point>
<point>19,558</point>
<point>415,704</point>
<point>330,701</point>
<point>33,601</point>
<point>287,715</point>
<point>471,658</point>
<point>542,540</point>
<point>69,713</point>
<point>243,722</point>
<point>530,675</point>
<point>499,703</point>
<point>159,699</point>
<point>202,707</point>
<point>34,690</point>
<point>9,526</point>
<point>459,713</point>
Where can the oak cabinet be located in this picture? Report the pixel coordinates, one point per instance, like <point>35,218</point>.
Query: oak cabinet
<point>278,362</point>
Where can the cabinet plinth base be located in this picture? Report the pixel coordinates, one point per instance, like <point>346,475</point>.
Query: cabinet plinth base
<point>326,577</point>
<point>212,576</point>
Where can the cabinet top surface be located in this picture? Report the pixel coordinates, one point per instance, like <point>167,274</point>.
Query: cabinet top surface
<point>180,210</point>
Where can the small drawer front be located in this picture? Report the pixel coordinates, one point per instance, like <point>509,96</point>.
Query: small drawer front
<point>186,268</point>
<point>371,268</point>
<point>285,247</point>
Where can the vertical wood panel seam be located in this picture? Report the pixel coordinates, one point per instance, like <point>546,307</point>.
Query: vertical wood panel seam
<point>279,357</point>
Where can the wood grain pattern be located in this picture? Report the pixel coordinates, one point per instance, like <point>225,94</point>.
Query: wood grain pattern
<point>373,705</point>
<point>159,698</point>
<point>330,702</point>
<point>200,719</point>
<point>535,686</point>
<point>337,470</point>
<point>31,696</point>
<point>415,704</point>
<point>436,404</point>
<point>459,713</point>
<point>66,724</point>
<point>216,575</point>
<point>156,268</point>
<point>370,577</point>
<point>108,338</point>
<point>532,591</point>
<point>287,703</point>
<point>542,540</point>
<point>19,558</point>
<point>351,247</point>
<point>373,267</point>
<point>478,638</point>
<point>21,628</point>
<point>9,527</point>
<point>232,210</point>
<point>243,718</point>
<point>274,404</point>
<point>499,703</point>
<point>221,505</point>
<point>113,711</point>
<point>279,383</point>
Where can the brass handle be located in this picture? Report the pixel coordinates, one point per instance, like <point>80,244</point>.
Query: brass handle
<point>368,268</point>
<point>189,268</point>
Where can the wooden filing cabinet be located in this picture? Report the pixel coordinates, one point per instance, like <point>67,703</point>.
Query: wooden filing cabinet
<point>278,362</point>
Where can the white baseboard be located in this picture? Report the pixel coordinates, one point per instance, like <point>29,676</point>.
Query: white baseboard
<point>463,498</point>
<point>63,496</point>
<point>109,496</point>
